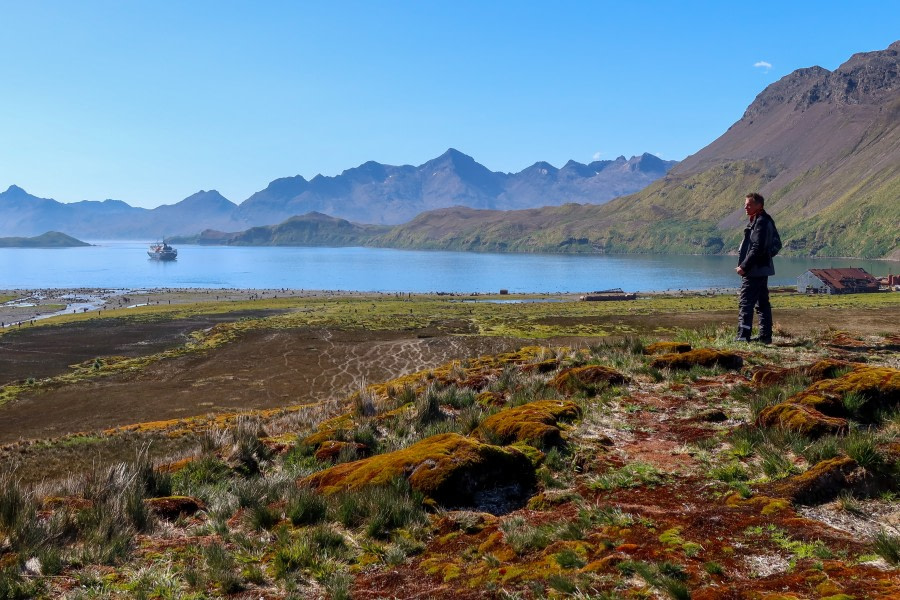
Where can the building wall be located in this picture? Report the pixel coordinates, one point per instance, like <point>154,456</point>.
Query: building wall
<point>810,283</point>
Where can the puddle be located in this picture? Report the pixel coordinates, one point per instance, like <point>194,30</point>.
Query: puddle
<point>517,301</point>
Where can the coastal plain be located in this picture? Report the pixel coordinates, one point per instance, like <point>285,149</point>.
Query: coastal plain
<point>648,478</point>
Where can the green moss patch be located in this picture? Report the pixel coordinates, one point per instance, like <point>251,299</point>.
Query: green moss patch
<point>800,418</point>
<point>537,423</point>
<point>449,469</point>
<point>874,389</point>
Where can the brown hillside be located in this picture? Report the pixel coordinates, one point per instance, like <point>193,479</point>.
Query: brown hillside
<point>813,119</point>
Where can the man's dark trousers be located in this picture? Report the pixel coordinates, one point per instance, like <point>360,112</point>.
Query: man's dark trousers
<point>754,294</point>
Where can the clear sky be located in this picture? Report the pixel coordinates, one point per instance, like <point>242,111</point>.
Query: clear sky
<point>151,101</point>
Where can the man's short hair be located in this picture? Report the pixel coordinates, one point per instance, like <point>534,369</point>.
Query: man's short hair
<point>758,199</point>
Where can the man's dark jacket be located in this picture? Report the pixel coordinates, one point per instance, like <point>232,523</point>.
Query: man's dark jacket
<point>753,256</point>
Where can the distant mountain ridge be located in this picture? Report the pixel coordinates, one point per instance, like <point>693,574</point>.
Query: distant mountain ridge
<point>387,195</point>
<point>370,193</point>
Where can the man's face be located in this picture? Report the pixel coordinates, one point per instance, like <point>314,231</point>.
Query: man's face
<point>750,207</point>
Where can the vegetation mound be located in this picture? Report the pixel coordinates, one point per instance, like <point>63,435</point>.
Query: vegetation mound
<point>587,377</point>
<point>821,369</point>
<point>704,357</point>
<point>536,423</point>
<point>824,407</point>
<point>860,393</point>
<point>451,470</point>
<point>801,419</point>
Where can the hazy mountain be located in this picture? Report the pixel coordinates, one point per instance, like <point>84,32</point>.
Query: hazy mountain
<point>386,194</point>
<point>823,147</point>
<point>369,193</point>
<point>24,214</point>
<point>311,229</point>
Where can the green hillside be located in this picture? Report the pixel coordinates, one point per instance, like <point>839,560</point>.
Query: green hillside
<point>51,239</point>
<point>312,229</point>
<point>670,215</point>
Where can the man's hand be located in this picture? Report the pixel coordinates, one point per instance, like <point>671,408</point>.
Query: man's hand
<point>739,271</point>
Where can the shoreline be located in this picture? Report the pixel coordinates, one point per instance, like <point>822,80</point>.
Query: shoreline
<point>21,306</point>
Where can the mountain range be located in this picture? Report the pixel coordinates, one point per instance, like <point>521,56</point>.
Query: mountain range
<point>822,146</point>
<point>371,193</point>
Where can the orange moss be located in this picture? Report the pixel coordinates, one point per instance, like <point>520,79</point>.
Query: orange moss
<point>704,357</point>
<point>577,378</point>
<point>878,386</point>
<point>536,423</point>
<point>174,467</point>
<point>328,431</point>
<point>667,348</point>
<point>604,564</point>
<point>823,369</point>
<point>280,444</point>
<point>448,468</point>
<point>495,544</point>
<point>803,419</point>
<point>200,424</point>
<point>474,372</point>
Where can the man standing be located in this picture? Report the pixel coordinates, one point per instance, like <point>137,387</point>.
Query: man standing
<point>755,266</point>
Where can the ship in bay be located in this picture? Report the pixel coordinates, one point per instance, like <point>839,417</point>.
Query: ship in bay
<point>162,251</point>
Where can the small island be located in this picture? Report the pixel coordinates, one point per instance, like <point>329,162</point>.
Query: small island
<point>51,239</point>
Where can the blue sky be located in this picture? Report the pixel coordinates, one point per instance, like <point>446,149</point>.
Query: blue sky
<point>151,101</point>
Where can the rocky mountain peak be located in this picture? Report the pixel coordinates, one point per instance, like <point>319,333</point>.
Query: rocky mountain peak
<point>647,163</point>
<point>14,191</point>
<point>867,77</point>
<point>369,170</point>
<point>452,157</point>
<point>211,198</point>
<point>542,168</point>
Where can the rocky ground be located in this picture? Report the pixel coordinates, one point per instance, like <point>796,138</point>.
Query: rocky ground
<point>368,449</point>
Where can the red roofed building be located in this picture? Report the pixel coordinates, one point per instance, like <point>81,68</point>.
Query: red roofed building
<point>851,280</point>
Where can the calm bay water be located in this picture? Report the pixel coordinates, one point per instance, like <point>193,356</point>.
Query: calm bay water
<point>124,265</point>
